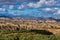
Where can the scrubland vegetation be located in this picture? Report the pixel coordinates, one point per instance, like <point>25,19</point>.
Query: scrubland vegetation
<point>20,29</point>
<point>27,35</point>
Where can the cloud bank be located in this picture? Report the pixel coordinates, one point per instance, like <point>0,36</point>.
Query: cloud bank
<point>42,3</point>
<point>33,8</point>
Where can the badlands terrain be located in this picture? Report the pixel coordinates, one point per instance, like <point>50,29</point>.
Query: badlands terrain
<point>29,29</point>
<point>13,24</point>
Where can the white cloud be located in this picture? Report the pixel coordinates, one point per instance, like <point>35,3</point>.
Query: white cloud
<point>50,3</point>
<point>36,5</point>
<point>2,9</point>
<point>48,9</point>
<point>43,3</point>
<point>21,7</point>
<point>32,5</point>
<point>11,6</point>
<point>56,8</point>
<point>58,12</point>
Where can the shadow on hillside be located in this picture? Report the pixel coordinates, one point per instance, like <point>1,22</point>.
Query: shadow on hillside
<point>44,32</point>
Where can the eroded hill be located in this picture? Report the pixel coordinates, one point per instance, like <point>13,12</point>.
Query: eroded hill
<point>27,24</point>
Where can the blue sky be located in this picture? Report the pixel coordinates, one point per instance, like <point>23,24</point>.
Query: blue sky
<point>35,8</point>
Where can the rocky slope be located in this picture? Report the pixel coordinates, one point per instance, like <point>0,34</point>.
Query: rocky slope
<point>29,24</point>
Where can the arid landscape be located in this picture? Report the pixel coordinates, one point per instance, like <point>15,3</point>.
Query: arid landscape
<point>29,19</point>
<point>25,27</point>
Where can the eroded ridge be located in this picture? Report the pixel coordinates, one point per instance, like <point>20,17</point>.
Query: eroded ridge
<point>29,24</point>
